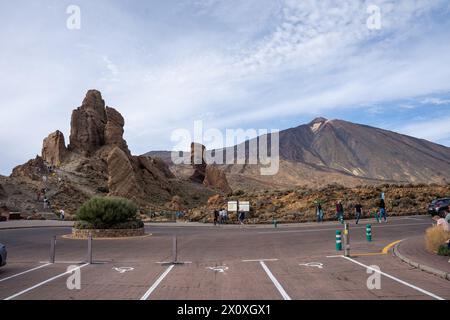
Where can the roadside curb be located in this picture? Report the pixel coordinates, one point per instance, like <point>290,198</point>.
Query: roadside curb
<point>33,227</point>
<point>422,267</point>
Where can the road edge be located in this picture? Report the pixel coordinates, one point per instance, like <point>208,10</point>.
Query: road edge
<point>422,267</point>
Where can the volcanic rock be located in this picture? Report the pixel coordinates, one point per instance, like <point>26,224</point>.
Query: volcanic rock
<point>122,179</point>
<point>54,148</point>
<point>198,162</point>
<point>88,124</point>
<point>216,178</point>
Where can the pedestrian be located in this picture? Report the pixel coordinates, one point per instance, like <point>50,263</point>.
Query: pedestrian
<point>241,217</point>
<point>340,211</point>
<point>358,211</point>
<point>216,217</point>
<point>62,214</point>
<point>221,217</point>
<point>45,203</point>
<point>383,214</point>
<point>225,215</point>
<point>319,212</point>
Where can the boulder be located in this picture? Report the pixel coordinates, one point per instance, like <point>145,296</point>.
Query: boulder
<point>54,148</point>
<point>122,180</point>
<point>216,178</point>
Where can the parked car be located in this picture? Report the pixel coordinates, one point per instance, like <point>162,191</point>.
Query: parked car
<point>439,207</point>
<point>3,255</point>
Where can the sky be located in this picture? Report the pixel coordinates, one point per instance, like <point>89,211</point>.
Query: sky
<point>262,64</point>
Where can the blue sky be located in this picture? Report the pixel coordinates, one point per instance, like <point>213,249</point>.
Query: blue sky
<point>235,64</point>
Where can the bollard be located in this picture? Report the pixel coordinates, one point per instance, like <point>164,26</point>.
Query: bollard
<point>347,240</point>
<point>52,249</point>
<point>369,232</point>
<point>89,257</point>
<point>174,249</point>
<point>338,240</point>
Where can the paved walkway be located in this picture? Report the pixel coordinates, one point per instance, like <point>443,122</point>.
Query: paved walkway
<point>414,249</point>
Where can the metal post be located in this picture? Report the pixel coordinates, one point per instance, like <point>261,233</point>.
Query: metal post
<point>174,249</point>
<point>52,249</point>
<point>369,232</point>
<point>89,257</point>
<point>347,240</point>
<point>338,240</point>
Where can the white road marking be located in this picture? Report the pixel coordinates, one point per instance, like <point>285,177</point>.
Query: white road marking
<point>45,282</point>
<point>353,228</point>
<point>275,282</point>
<point>396,279</point>
<point>156,284</point>
<point>220,269</point>
<point>123,269</point>
<point>259,260</point>
<point>336,256</point>
<point>24,272</point>
<point>312,264</point>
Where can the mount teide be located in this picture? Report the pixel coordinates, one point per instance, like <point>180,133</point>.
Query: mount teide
<point>336,151</point>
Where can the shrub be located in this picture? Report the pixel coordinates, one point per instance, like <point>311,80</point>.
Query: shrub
<point>435,237</point>
<point>104,213</point>
<point>443,250</point>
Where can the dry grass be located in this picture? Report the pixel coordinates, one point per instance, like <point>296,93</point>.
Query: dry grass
<point>435,237</point>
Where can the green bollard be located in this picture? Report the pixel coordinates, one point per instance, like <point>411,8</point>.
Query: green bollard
<point>369,232</point>
<point>338,240</point>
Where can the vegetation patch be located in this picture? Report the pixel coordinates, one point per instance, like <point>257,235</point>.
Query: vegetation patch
<point>108,213</point>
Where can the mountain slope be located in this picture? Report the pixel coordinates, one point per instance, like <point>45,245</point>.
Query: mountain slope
<point>336,151</point>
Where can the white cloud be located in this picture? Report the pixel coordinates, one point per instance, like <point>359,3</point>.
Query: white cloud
<point>431,129</point>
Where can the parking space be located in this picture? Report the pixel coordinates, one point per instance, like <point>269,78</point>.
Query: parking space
<point>224,264</point>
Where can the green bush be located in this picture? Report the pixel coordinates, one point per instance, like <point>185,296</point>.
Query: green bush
<point>106,213</point>
<point>443,250</point>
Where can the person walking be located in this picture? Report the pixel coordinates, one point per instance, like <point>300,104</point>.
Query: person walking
<point>358,211</point>
<point>241,217</point>
<point>319,212</point>
<point>216,216</point>
<point>340,212</point>
<point>45,203</point>
<point>62,214</point>
<point>383,214</point>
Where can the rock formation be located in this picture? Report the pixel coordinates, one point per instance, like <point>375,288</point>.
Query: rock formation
<point>198,162</point>
<point>216,178</point>
<point>54,148</point>
<point>97,162</point>
<point>208,175</point>
<point>122,179</point>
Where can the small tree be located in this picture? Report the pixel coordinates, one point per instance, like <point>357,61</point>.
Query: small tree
<point>105,212</point>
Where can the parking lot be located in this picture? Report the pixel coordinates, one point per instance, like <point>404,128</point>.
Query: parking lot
<point>225,263</point>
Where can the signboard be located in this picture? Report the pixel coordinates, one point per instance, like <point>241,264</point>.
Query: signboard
<point>244,206</point>
<point>232,206</point>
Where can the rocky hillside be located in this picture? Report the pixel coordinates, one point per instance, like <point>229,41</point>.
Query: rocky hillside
<point>297,204</point>
<point>97,161</point>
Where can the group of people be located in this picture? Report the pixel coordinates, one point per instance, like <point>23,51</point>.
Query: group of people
<point>221,217</point>
<point>380,216</point>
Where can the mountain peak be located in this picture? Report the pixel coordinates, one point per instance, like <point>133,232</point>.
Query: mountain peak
<point>316,124</point>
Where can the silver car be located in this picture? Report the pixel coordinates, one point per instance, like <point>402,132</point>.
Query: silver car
<point>3,255</point>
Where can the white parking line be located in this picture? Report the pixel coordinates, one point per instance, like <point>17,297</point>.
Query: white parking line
<point>44,282</point>
<point>396,279</point>
<point>259,260</point>
<point>156,284</point>
<point>24,272</point>
<point>275,282</point>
